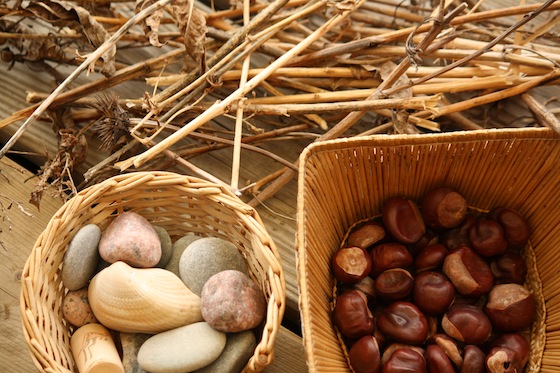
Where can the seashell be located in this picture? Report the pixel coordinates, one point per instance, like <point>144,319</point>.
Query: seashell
<point>142,300</point>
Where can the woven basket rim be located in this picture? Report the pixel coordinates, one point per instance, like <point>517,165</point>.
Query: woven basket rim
<point>43,337</point>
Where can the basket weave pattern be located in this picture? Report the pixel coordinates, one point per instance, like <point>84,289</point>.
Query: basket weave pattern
<point>178,203</point>
<point>344,181</point>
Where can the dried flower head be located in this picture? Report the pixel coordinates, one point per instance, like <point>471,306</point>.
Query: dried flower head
<point>114,125</point>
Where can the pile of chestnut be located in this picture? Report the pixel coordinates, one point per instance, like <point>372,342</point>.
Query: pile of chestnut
<point>433,286</point>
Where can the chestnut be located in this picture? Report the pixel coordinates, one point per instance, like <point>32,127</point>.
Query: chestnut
<point>352,316</point>
<point>405,360</point>
<point>351,264</point>
<point>487,238</point>
<point>394,284</point>
<point>473,360</point>
<point>459,236</point>
<point>430,258</point>
<point>510,307</point>
<point>366,235</point>
<point>449,346</point>
<point>468,271</point>
<point>389,255</point>
<point>515,342</point>
<point>364,355</point>
<point>433,293</point>
<point>466,323</point>
<point>443,208</point>
<point>516,228</point>
<point>403,220</point>
<point>437,360</point>
<point>509,267</point>
<point>502,360</point>
<point>388,351</point>
<point>366,286</point>
<point>403,322</point>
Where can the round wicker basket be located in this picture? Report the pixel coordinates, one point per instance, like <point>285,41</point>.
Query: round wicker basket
<point>181,204</point>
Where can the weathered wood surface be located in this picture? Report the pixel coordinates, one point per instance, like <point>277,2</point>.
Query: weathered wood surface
<point>18,231</point>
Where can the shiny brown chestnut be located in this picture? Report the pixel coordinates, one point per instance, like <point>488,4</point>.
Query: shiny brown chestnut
<point>394,284</point>
<point>473,360</point>
<point>365,356</point>
<point>437,360</point>
<point>389,255</point>
<point>427,239</point>
<point>443,208</point>
<point>468,271</point>
<point>352,316</point>
<point>516,228</point>
<point>405,360</point>
<point>403,322</point>
<point>509,267</point>
<point>459,236</point>
<point>466,323</point>
<point>433,293</point>
<point>515,342</point>
<point>366,235</point>
<point>388,351</point>
<point>510,307</point>
<point>430,258</point>
<point>366,286</point>
<point>502,360</point>
<point>487,238</point>
<point>403,220</point>
<point>350,264</point>
<point>449,346</point>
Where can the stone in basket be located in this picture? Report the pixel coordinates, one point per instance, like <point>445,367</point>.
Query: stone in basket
<point>180,204</point>
<point>345,181</point>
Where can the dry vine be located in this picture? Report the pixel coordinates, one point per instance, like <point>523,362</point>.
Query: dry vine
<point>255,72</point>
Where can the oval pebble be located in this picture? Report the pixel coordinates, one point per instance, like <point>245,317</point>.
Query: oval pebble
<point>178,248</point>
<point>130,238</point>
<point>166,246</point>
<point>76,309</point>
<point>81,258</point>
<point>232,302</point>
<point>183,349</point>
<point>205,257</point>
<point>239,349</point>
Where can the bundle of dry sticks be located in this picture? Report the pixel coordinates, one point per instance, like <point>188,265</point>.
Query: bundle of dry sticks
<point>236,75</point>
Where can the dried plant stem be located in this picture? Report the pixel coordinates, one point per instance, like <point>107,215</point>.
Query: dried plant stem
<point>220,107</point>
<point>543,116</point>
<point>94,56</point>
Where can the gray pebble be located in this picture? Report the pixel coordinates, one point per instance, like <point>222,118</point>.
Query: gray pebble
<point>177,250</point>
<point>81,258</point>
<point>183,349</point>
<point>166,246</point>
<point>239,349</point>
<point>204,258</point>
<point>131,343</point>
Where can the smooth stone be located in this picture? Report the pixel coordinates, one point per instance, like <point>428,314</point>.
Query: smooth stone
<point>232,302</point>
<point>131,343</point>
<point>183,349</point>
<point>131,238</point>
<point>178,248</point>
<point>205,257</point>
<point>81,258</point>
<point>166,246</point>
<point>76,309</point>
<point>239,349</point>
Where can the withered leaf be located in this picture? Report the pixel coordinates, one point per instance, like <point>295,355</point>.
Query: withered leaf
<point>64,13</point>
<point>152,22</point>
<point>192,24</point>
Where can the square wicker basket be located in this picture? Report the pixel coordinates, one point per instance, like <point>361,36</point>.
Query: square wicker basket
<point>179,203</point>
<point>344,181</point>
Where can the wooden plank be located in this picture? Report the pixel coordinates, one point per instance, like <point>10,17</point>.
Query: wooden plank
<point>18,231</point>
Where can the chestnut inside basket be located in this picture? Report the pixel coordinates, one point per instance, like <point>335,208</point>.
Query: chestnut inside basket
<point>180,204</point>
<point>345,181</point>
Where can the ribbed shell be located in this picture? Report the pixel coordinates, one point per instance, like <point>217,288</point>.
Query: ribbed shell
<point>142,300</point>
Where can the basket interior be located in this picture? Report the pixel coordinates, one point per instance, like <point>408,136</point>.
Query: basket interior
<point>180,204</point>
<point>344,181</point>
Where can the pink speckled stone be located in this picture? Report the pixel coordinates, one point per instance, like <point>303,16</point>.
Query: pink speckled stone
<point>232,302</point>
<point>132,239</point>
